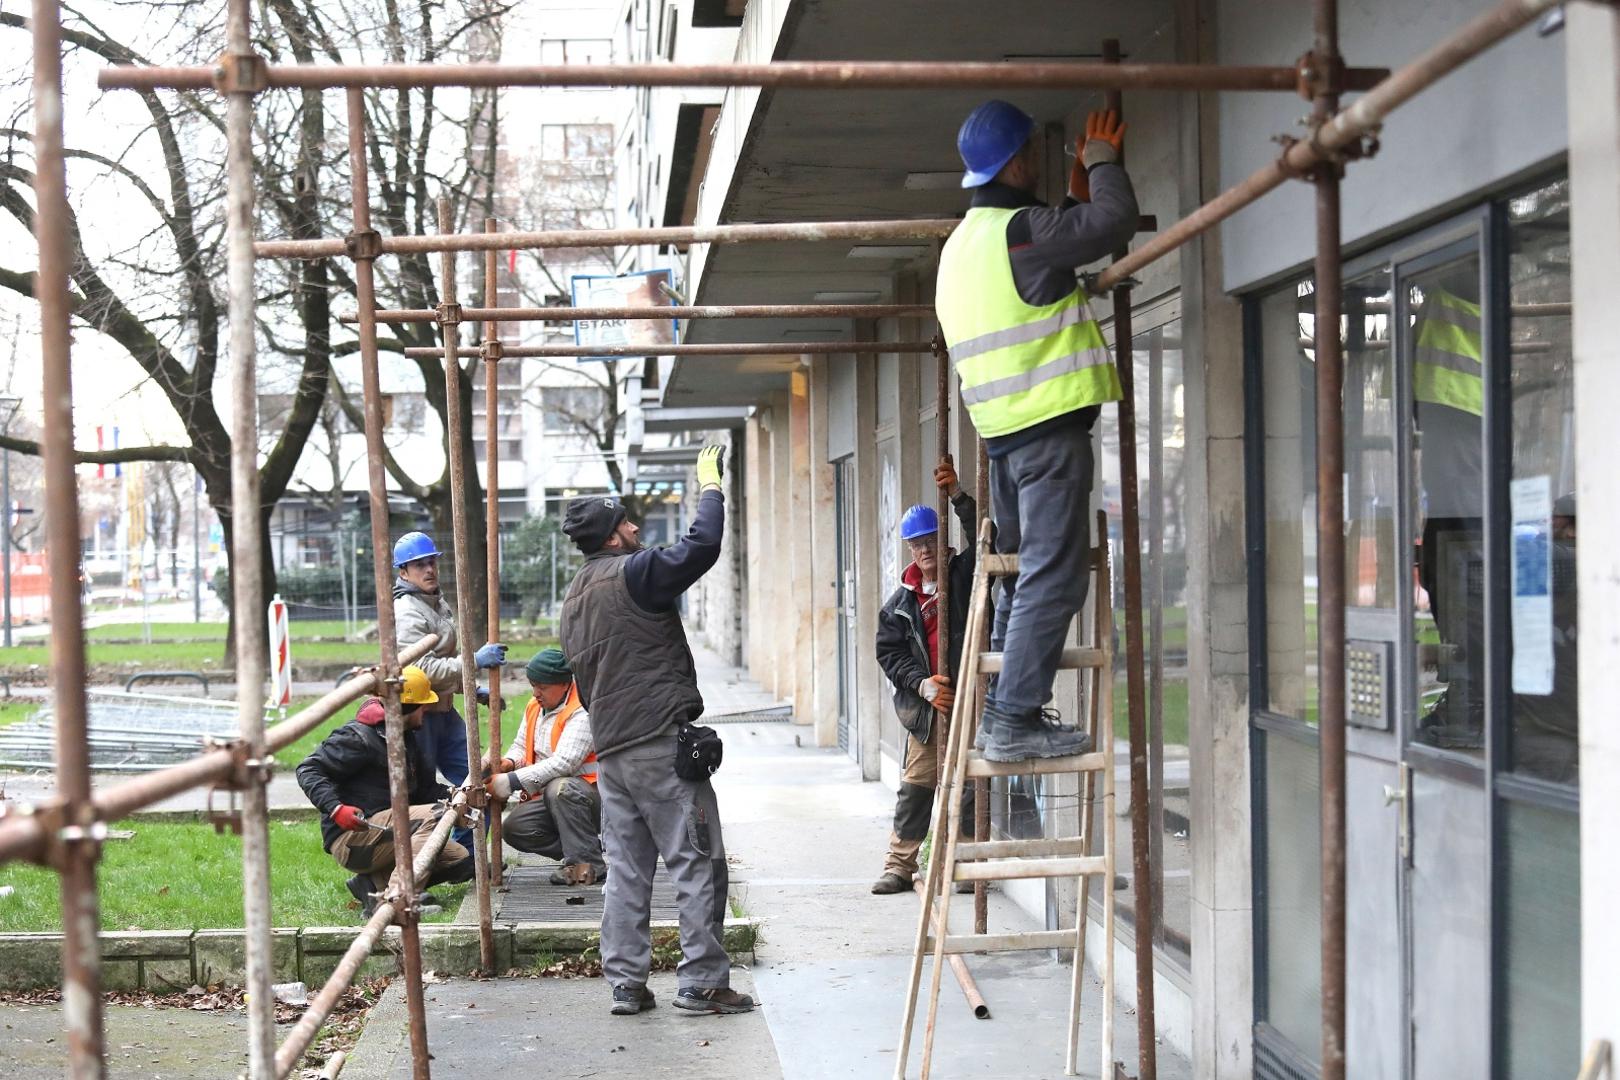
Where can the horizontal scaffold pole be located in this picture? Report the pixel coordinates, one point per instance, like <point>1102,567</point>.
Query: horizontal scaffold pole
<point>753,233</point>
<point>653,314</point>
<point>807,74</point>
<point>718,348</point>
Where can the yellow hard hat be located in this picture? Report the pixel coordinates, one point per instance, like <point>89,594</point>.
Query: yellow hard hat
<point>416,689</point>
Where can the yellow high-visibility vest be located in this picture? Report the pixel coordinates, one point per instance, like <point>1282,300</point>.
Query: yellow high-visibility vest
<point>1018,364</point>
<point>1448,364</point>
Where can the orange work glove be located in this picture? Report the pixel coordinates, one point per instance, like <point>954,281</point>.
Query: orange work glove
<point>945,476</point>
<point>1105,139</point>
<point>1079,181</point>
<point>936,690</point>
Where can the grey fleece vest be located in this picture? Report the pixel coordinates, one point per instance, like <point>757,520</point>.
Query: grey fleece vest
<point>634,668</point>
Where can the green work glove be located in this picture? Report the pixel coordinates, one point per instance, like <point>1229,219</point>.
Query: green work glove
<point>710,464</point>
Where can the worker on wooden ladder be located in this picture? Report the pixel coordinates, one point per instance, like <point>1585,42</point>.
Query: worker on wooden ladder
<point>1034,372</point>
<point>907,644</point>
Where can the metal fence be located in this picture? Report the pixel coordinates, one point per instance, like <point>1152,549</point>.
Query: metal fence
<point>65,832</point>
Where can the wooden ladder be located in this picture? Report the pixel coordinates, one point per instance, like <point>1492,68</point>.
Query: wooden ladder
<point>998,860</point>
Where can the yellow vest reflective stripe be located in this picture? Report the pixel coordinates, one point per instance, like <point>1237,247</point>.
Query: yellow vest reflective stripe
<point>1447,365</point>
<point>1018,364</point>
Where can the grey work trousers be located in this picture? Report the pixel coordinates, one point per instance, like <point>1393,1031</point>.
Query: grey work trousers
<point>648,811</point>
<point>564,822</point>
<point>1040,494</point>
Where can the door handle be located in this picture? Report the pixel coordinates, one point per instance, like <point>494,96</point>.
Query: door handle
<point>1393,795</point>
<point>1400,796</point>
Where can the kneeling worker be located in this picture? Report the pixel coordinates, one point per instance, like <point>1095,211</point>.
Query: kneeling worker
<point>907,646</point>
<point>551,769</point>
<point>346,777</point>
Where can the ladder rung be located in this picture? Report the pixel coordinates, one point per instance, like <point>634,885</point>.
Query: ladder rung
<point>1014,849</point>
<point>991,943</point>
<point>1001,564</point>
<point>1012,869</point>
<point>1072,659</point>
<point>978,765</point>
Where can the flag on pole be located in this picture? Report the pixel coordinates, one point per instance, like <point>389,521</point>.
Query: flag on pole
<point>101,470</point>
<point>118,470</point>
<point>280,655</point>
<point>511,261</point>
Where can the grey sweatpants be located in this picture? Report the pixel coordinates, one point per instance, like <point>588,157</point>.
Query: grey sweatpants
<point>648,811</point>
<point>1040,494</point>
<point>564,823</point>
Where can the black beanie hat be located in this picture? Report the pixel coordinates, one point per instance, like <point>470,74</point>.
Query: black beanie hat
<point>591,519</point>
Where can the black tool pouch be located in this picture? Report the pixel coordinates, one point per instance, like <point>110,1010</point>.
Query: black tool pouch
<point>698,751</point>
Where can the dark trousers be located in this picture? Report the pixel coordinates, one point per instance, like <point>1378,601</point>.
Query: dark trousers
<point>1040,495</point>
<point>564,823</point>
<point>444,737</point>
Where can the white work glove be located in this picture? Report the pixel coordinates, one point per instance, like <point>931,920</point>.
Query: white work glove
<point>503,785</point>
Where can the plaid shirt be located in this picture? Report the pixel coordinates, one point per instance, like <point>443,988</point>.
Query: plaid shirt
<point>572,749</point>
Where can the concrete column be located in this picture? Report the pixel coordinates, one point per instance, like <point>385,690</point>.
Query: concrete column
<point>1217,608</point>
<point>820,585</point>
<point>1593,37</point>
<point>799,610</point>
<point>868,571</point>
<point>756,448</point>
<point>777,562</point>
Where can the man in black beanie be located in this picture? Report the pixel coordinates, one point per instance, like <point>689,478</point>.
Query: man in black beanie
<point>623,636</point>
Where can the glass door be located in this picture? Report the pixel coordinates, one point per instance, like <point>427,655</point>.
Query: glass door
<point>843,488</point>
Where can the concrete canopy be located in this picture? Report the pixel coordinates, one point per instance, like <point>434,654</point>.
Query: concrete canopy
<point>818,155</point>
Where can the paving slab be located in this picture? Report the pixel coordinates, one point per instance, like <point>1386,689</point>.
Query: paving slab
<point>150,1043</point>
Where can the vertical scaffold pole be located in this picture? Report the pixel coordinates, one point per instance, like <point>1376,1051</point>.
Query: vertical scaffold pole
<point>942,577</point>
<point>76,845</point>
<point>455,432</point>
<point>981,785</point>
<point>1136,685</point>
<point>364,246</point>
<point>492,534</point>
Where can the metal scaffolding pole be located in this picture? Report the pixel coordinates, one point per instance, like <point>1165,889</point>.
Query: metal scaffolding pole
<point>455,432</point>
<point>492,528</point>
<point>1131,543</point>
<point>74,841</point>
<point>247,555</point>
<point>808,74</point>
<point>751,348</point>
<point>403,888</point>
<point>1330,546</point>
<point>644,312</point>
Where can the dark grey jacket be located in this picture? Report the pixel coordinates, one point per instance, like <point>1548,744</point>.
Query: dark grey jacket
<point>634,668</point>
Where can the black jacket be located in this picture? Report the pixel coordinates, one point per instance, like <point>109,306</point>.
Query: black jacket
<point>902,644</point>
<point>350,767</point>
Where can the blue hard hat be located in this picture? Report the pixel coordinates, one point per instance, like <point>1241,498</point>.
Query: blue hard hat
<point>919,521</point>
<point>413,546</point>
<point>990,137</point>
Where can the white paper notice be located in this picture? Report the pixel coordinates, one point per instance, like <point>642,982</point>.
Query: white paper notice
<point>1532,585</point>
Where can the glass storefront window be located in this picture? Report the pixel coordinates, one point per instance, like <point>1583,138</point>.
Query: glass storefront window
<point>1541,943</point>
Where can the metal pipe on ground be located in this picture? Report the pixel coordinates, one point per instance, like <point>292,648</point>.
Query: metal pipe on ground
<point>754,348</point>
<point>1136,688</point>
<point>644,312</point>
<point>74,848</point>
<point>807,74</point>
<point>457,437</point>
<point>748,233</point>
<point>1361,117</point>
<point>1330,549</point>
<point>388,671</point>
<point>492,528</point>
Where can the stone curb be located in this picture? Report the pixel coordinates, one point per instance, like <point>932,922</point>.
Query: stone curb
<point>165,961</point>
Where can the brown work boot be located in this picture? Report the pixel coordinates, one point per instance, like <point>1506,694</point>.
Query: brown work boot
<point>721,999</point>
<point>574,874</point>
<point>891,883</point>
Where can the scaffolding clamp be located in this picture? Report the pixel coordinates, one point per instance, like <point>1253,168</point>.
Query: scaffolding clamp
<point>365,244</point>
<point>448,313</point>
<point>66,828</point>
<point>493,351</point>
<point>1088,282</point>
<point>1319,75</point>
<point>241,73</point>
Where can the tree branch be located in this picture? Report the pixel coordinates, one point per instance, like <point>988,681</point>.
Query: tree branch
<point>120,456</point>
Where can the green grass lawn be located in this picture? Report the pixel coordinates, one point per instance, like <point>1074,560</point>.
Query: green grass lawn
<point>134,632</point>
<point>1175,711</point>
<point>187,877</point>
<point>15,710</point>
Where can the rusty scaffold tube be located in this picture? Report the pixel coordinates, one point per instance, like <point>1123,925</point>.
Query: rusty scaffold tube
<point>403,887</point>
<point>1131,545</point>
<point>1330,548</point>
<point>456,435</point>
<point>749,233</point>
<point>74,844</point>
<point>492,527</point>
<point>1361,118</point>
<point>806,74</point>
<point>248,555</point>
<point>727,348</point>
<point>980,690</point>
<point>653,314</point>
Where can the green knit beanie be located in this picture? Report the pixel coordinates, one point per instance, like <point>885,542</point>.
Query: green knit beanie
<point>549,666</point>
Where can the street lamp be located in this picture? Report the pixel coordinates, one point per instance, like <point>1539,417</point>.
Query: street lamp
<point>8,405</point>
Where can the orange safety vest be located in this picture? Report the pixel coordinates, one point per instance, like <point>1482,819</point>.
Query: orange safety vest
<point>531,721</point>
